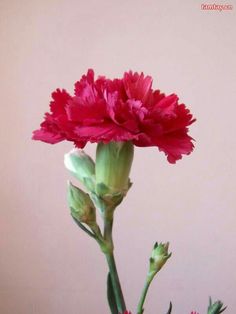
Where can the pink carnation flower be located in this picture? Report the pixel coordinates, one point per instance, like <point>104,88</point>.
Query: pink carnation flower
<point>125,109</point>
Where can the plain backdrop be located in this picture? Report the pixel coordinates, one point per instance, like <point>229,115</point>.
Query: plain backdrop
<point>48,265</point>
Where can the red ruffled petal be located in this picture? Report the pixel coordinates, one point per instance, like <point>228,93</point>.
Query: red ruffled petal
<point>126,109</point>
<point>137,86</point>
<point>104,133</point>
<point>47,136</point>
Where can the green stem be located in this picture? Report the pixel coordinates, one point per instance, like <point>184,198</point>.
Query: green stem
<point>112,266</point>
<point>108,224</point>
<point>140,308</point>
<point>116,283</point>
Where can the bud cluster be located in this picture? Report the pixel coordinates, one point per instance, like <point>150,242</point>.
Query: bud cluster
<point>107,181</point>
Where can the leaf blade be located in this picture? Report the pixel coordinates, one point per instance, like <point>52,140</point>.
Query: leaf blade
<point>170,309</point>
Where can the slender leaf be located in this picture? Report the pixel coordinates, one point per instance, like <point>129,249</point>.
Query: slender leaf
<point>170,309</point>
<point>223,309</point>
<point>83,228</point>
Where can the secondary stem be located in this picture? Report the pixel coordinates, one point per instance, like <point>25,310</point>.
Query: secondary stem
<point>143,295</point>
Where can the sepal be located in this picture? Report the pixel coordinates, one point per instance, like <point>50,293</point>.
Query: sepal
<point>109,198</point>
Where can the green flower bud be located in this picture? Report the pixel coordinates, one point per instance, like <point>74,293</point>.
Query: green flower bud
<point>81,166</point>
<point>113,164</point>
<point>82,208</point>
<point>159,257</point>
<point>215,308</point>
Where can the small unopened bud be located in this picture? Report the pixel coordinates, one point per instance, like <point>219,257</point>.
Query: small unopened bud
<point>81,166</point>
<point>113,164</point>
<point>215,308</point>
<point>82,208</point>
<point>159,257</point>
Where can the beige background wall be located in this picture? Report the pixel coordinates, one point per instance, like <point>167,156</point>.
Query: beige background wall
<point>47,265</point>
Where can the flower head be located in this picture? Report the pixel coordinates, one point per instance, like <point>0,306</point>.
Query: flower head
<point>126,109</point>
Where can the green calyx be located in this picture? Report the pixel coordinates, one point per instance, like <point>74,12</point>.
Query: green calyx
<point>215,308</point>
<point>158,257</point>
<point>82,208</point>
<point>112,169</point>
